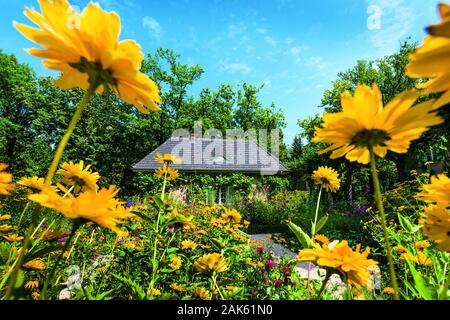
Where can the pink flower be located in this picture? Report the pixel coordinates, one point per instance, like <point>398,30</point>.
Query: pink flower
<point>284,269</point>
<point>278,282</point>
<point>270,263</point>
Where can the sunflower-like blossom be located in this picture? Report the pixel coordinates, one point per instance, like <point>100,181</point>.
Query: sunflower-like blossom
<point>208,263</point>
<point>5,180</point>
<point>327,177</point>
<point>85,48</point>
<point>438,191</point>
<point>432,59</point>
<point>364,124</point>
<point>351,265</point>
<point>99,207</point>
<point>79,176</point>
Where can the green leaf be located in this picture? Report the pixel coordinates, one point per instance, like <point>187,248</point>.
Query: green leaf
<point>41,252</point>
<point>406,224</point>
<point>321,223</point>
<point>304,239</point>
<point>420,284</point>
<point>136,288</point>
<point>159,201</point>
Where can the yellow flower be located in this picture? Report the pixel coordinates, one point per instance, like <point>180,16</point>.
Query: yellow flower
<point>202,293</point>
<point>176,263</point>
<point>422,245</point>
<point>217,222</point>
<point>5,227</point>
<point>85,48</point>
<point>36,184</point>
<point>321,238</point>
<point>154,292</point>
<point>231,215</point>
<point>400,249</point>
<point>351,265</point>
<point>165,171</point>
<point>36,264</point>
<point>51,234</point>
<point>32,284</point>
<point>167,158</point>
<point>420,258</point>
<point>388,290</point>
<point>364,123</point>
<point>5,217</point>
<point>327,177</point>
<point>432,59</point>
<point>13,237</point>
<point>188,244</point>
<point>36,295</point>
<point>5,180</point>
<point>260,264</point>
<point>213,262</point>
<point>79,176</point>
<point>438,191</point>
<point>231,288</point>
<point>436,226</point>
<point>100,207</point>
<point>177,287</point>
<point>251,263</point>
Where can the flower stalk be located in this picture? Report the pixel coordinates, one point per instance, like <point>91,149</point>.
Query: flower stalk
<point>387,246</point>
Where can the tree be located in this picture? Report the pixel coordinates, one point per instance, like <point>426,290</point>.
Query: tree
<point>390,76</point>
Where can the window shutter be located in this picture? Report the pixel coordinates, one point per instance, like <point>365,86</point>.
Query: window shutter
<point>230,192</point>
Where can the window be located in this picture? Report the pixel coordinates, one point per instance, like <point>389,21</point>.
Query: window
<point>221,195</point>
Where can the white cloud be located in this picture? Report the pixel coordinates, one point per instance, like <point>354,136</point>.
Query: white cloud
<point>289,41</point>
<point>234,67</point>
<point>236,29</point>
<point>152,25</point>
<point>294,51</point>
<point>261,30</point>
<point>397,21</point>
<point>271,41</point>
<point>315,62</point>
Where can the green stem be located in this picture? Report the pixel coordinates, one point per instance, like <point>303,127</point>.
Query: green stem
<point>22,215</point>
<point>63,143</point>
<point>76,225</point>
<point>387,246</point>
<point>26,243</point>
<point>317,213</point>
<point>324,283</point>
<point>155,244</point>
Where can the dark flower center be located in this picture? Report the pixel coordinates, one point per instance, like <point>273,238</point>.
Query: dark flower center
<point>370,138</point>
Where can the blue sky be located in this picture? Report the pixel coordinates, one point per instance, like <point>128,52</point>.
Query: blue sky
<point>294,47</point>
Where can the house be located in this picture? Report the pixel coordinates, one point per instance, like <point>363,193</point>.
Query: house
<point>215,156</point>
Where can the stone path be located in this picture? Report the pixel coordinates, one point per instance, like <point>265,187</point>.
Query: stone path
<point>315,272</point>
<point>302,267</point>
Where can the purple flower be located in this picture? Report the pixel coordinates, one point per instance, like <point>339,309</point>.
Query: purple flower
<point>284,269</point>
<point>361,209</point>
<point>44,225</point>
<point>171,230</point>
<point>61,240</point>
<point>270,263</point>
<point>252,291</point>
<point>260,249</point>
<point>278,282</point>
<point>293,283</point>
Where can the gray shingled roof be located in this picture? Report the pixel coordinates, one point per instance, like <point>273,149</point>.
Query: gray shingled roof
<point>215,156</point>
